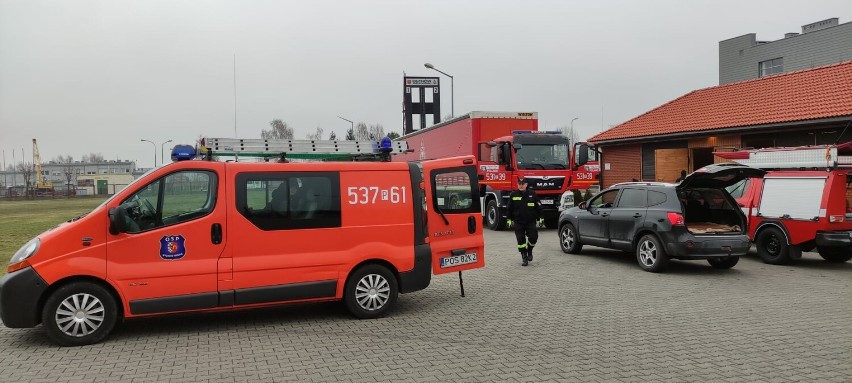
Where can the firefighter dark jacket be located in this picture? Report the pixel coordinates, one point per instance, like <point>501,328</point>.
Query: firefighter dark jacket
<point>524,207</point>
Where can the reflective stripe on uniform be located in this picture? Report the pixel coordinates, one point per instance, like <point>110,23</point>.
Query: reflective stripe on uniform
<point>524,246</point>
<point>531,204</point>
<point>516,198</point>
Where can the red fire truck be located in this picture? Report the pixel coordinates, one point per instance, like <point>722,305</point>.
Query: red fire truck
<point>508,145</point>
<point>803,203</point>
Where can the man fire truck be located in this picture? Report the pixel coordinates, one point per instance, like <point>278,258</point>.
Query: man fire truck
<point>508,146</point>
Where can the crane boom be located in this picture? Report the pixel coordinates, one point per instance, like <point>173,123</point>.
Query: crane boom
<point>40,184</point>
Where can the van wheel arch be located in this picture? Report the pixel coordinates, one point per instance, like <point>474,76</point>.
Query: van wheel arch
<point>81,278</point>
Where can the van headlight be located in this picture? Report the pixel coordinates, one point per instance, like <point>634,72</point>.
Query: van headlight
<point>26,251</point>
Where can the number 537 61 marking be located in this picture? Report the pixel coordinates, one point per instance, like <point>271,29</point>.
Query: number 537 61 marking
<point>371,194</point>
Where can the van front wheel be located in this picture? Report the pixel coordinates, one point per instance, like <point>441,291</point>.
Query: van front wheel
<point>79,314</point>
<point>370,292</point>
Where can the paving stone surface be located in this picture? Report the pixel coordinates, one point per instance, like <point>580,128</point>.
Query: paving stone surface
<point>594,317</point>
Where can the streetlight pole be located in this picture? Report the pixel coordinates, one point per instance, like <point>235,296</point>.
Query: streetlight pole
<point>155,150</point>
<point>572,129</point>
<point>350,123</point>
<point>452,98</point>
<point>162,160</point>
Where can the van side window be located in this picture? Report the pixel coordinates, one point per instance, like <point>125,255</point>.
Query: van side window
<point>456,190</point>
<point>286,201</point>
<point>178,197</point>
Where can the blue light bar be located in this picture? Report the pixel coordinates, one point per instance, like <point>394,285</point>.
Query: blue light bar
<point>183,152</point>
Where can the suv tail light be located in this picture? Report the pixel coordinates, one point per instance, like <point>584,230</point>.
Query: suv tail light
<point>676,219</point>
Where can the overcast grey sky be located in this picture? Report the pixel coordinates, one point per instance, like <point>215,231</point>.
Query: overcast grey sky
<point>98,76</point>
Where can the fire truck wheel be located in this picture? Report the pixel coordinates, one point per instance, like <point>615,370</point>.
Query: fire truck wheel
<point>492,217</point>
<point>370,292</point>
<point>79,314</point>
<point>835,255</point>
<point>723,263</point>
<point>568,239</point>
<point>772,246</point>
<point>650,255</point>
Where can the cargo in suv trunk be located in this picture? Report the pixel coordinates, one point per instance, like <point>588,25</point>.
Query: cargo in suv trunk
<point>707,206</point>
<point>710,211</point>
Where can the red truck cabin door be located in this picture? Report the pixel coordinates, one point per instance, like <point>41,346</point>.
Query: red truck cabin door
<point>454,214</point>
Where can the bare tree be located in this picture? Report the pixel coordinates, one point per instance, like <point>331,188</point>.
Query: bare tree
<point>26,170</point>
<point>393,135</point>
<point>350,134</point>
<point>68,171</point>
<point>362,132</point>
<point>316,135</point>
<point>93,158</point>
<point>332,136</point>
<point>571,133</point>
<point>377,131</point>
<point>280,130</point>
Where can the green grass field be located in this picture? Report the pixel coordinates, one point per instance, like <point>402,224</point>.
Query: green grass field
<point>20,221</point>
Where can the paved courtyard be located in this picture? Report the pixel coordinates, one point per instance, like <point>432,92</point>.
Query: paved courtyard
<point>574,318</point>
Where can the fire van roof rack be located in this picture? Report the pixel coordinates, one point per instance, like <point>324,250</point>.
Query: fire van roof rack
<point>324,150</point>
<point>821,156</point>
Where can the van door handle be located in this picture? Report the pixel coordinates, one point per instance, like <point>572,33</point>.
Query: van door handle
<point>471,225</point>
<point>216,233</point>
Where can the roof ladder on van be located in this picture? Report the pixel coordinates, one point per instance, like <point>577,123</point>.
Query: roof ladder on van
<point>831,157</point>
<point>283,149</point>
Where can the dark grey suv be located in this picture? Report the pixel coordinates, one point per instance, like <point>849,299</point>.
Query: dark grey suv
<point>695,219</point>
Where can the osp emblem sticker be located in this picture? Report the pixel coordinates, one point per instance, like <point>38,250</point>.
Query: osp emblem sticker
<point>172,247</point>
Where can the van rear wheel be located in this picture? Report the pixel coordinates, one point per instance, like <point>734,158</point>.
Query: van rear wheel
<point>370,292</point>
<point>723,263</point>
<point>772,246</point>
<point>835,255</point>
<point>79,314</point>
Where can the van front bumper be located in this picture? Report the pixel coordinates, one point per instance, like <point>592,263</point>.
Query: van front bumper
<point>20,292</point>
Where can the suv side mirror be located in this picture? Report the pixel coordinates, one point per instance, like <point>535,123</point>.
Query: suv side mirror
<point>117,222</point>
<point>582,205</point>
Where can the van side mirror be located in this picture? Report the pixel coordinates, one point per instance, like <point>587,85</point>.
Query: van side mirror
<point>582,154</point>
<point>117,222</point>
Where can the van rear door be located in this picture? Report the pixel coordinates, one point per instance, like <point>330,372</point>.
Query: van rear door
<point>454,214</point>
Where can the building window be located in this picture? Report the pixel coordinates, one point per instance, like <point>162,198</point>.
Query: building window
<point>770,67</point>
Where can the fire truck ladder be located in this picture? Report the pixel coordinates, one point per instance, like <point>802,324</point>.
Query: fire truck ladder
<point>830,157</point>
<point>327,150</point>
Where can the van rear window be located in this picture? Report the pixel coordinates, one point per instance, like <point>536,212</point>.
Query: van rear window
<point>286,201</point>
<point>456,190</point>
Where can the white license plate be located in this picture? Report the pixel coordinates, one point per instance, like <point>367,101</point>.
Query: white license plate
<point>458,260</point>
<point>546,202</point>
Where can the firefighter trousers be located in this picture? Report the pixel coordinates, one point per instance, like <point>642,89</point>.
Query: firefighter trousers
<point>527,235</point>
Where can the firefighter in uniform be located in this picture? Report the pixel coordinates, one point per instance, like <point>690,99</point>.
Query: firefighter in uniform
<point>524,213</point>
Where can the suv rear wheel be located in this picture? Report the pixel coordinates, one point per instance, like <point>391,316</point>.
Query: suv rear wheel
<point>772,246</point>
<point>650,254</point>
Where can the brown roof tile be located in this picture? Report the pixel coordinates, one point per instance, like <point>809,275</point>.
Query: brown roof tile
<point>822,92</point>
